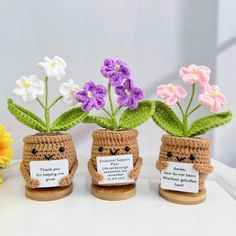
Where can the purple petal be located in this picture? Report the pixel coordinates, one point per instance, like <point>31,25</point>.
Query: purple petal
<point>99,91</point>
<point>81,96</point>
<point>120,90</point>
<point>89,86</point>
<point>123,100</point>
<point>116,80</point>
<point>108,62</point>
<point>129,84</point>
<point>132,103</point>
<point>87,105</point>
<point>125,72</point>
<point>99,104</point>
<point>137,93</point>
<point>108,70</point>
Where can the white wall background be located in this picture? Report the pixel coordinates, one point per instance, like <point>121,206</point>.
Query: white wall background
<point>155,37</point>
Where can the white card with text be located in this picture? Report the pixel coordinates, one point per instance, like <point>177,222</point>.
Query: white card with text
<point>115,169</point>
<point>180,177</point>
<point>49,173</point>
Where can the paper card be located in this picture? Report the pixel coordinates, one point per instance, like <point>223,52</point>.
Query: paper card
<point>49,173</point>
<point>115,169</point>
<point>180,177</point>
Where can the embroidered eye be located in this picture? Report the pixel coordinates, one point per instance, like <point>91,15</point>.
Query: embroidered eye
<point>169,154</point>
<point>127,149</point>
<point>192,157</point>
<point>100,149</point>
<point>61,149</point>
<point>34,151</point>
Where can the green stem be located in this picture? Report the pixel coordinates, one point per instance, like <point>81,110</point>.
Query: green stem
<point>117,109</point>
<point>113,114</point>
<point>191,99</point>
<point>58,99</point>
<point>185,125</point>
<point>46,109</point>
<point>185,115</point>
<point>40,102</point>
<point>108,113</point>
<point>182,112</point>
<point>110,98</point>
<point>194,109</point>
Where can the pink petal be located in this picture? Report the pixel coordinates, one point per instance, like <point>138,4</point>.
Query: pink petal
<point>180,91</point>
<point>190,79</point>
<point>205,69</point>
<point>171,100</point>
<point>183,71</point>
<point>222,99</point>
<point>214,108</point>
<point>206,100</point>
<point>203,78</point>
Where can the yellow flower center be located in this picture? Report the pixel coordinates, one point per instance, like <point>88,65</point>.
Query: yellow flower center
<point>170,87</point>
<point>117,67</point>
<point>194,71</point>
<point>215,94</point>
<point>72,91</point>
<point>127,92</point>
<point>90,94</point>
<point>53,64</point>
<point>26,84</point>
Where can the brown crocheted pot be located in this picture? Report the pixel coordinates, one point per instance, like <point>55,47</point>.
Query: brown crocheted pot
<point>48,146</point>
<point>107,143</point>
<point>188,150</point>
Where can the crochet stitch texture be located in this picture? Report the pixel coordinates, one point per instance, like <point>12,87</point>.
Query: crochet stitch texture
<point>48,146</point>
<point>107,143</point>
<point>193,150</point>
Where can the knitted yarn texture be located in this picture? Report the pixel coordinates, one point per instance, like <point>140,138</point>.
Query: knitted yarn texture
<point>186,150</point>
<point>107,143</point>
<point>48,146</point>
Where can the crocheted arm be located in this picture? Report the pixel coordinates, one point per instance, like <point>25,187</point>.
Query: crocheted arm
<point>67,180</point>
<point>94,174</point>
<point>203,168</point>
<point>134,173</point>
<point>32,183</point>
<point>161,165</point>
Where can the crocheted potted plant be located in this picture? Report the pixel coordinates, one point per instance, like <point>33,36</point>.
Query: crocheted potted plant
<point>6,151</point>
<point>182,144</point>
<point>49,157</point>
<point>118,138</point>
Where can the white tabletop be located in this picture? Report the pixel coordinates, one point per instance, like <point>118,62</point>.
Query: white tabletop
<point>82,214</point>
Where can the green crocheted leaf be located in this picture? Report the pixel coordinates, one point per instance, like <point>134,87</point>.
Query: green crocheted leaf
<point>133,118</point>
<point>165,117</point>
<point>101,121</point>
<point>26,117</point>
<point>69,119</point>
<point>204,124</point>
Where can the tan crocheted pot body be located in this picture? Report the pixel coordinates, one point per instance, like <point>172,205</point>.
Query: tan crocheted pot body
<point>186,150</point>
<point>108,143</point>
<point>47,147</point>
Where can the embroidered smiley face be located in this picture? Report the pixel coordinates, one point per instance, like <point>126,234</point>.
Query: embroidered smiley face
<point>113,152</point>
<point>181,158</point>
<point>110,143</point>
<point>47,156</point>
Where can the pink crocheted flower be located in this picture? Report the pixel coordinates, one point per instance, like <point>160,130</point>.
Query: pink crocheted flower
<point>195,74</point>
<point>171,93</point>
<point>212,97</point>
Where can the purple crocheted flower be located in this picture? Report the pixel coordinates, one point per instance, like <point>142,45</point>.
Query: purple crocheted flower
<point>115,71</point>
<point>129,95</point>
<point>92,96</point>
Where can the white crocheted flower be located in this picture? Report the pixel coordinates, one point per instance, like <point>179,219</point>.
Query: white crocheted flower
<point>29,88</point>
<point>54,68</point>
<point>68,90</point>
